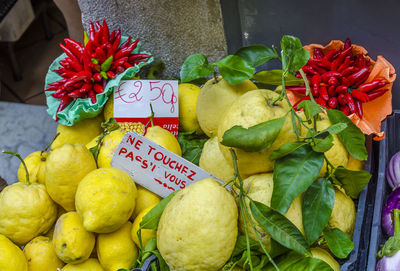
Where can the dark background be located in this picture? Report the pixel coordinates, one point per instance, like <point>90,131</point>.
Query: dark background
<point>371,24</point>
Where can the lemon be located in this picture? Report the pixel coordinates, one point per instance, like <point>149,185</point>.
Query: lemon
<point>145,234</point>
<point>324,255</point>
<point>72,243</point>
<point>81,132</point>
<point>164,138</point>
<point>354,164</point>
<point>26,211</point>
<point>214,99</point>
<point>259,188</point>
<point>41,255</point>
<point>105,199</point>
<point>65,168</point>
<point>60,211</point>
<point>11,256</point>
<point>252,108</point>
<point>108,147</point>
<point>188,94</point>
<point>109,108</point>
<point>343,214</point>
<point>88,265</point>
<point>92,143</point>
<point>198,228</point>
<point>213,161</point>
<point>144,199</point>
<point>117,250</point>
<point>36,164</point>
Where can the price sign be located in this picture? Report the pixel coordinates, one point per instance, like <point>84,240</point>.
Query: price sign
<point>132,101</point>
<point>155,167</point>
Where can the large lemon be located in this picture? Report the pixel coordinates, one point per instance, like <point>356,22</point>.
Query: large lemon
<point>188,94</point>
<point>259,188</point>
<point>354,164</point>
<point>343,214</point>
<point>72,243</point>
<point>213,161</point>
<point>252,108</point>
<point>26,211</point>
<point>105,199</point>
<point>214,99</point>
<point>198,228</point>
<point>116,250</point>
<point>41,255</point>
<point>108,146</point>
<point>65,168</point>
<point>36,164</point>
<point>164,138</point>
<point>81,132</point>
<point>88,265</point>
<point>144,199</point>
<point>11,257</point>
<point>324,255</point>
<point>145,234</point>
<point>60,212</point>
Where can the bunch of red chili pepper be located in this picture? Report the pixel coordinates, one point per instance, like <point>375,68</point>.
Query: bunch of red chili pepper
<point>337,80</point>
<point>87,68</point>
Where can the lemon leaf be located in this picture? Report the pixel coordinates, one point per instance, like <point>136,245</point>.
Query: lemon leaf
<point>353,182</point>
<point>194,67</point>
<point>274,77</point>
<point>323,144</point>
<point>286,149</point>
<point>256,54</point>
<point>338,242</point>
<point>294,56</point>
<point>293,261</point>
<point>191,145</point>
<point>234,69</point>
<point>310,108</point>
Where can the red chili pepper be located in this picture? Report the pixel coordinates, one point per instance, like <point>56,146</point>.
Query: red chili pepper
<point>336,63</point>
<point>119,69</point>
<point>127,65</point>
<point>64,102</point>
<point>106,32</point>
<point>299,90</point>
<point>345,109</point>
<point>98,35</point>
<point>317,68</point>
<point>75,65</point>
<point>323,93</point>
<point>359,110</point>
<point>67,74</point>
<point>349,70</point>
<point>315,82</point>
<point>333,81</point>
<point>361,96</point>
<point>333,102</point>
<point>321,102</point>
<point>341,89</point>
<point>110,74</point>
<point>331,91</point>
<point>355,77</point>
<point>112,37</point>
<point>127,50</point>
<point>360,62</point>
<point>325,77</point>
<point>98,88</point>
<point>76,94</point>
<point>323,63</point>
<point>330,55</point>
<point>367,87</point>
<point>135,57</point>
<point>100,55</point>
<point>116,42</point>
<point>318,54</point>
<point>376,94</point>
<point>347,43</point>
<point>362,80</point>
<point>97,77</point>
<point>49,88</point>
<point>309,70</point>
<point>85,88</point>
<point>345,64</point>
<point>306,98</point>
<point>350,102</point>
<point>68,52</point>
<point>92,96</point>
<point>125,43</point>
<point>345,81</point>
<point>82,75</point>
<point>75,47</point>
<point>91,31</point>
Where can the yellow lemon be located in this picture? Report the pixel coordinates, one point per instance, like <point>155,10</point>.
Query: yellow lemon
<point>60,211</point>
<point>109,108</point>
<point>116,250</point>
<point>213,161</point>
<point>198,228</point>
<point>36,164</point>
<point>214,99</point>
<point>41,255</point>
<point>26,211</point>
<point>92,143</point>
<point>343,214</point>
<point>252,108</point>
<point>354,164</point>
<point>144,199</point>
<point>11,257</point>
<point>324,255</point>
<point>108,147</point>
<point>105,199</point>
<point>88,265</point>
<point>81,132</point>
<point>188,94</point>
<point>164,138</point>
<point>65,168</point>
<point>145,234</point>
<point>72,243</point>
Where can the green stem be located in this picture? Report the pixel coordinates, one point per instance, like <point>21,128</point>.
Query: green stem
<point>23,163</point>
<point>51,142</point>
<point>308,90</point>
<point>396,213</point>
<point>152,115</point>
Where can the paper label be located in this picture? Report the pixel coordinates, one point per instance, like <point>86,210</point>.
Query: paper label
<point>154,167</point>
<point>132,102</point>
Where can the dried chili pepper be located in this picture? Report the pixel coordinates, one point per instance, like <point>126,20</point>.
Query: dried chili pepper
<point>320,101</point>
<point>333,102</point>
<point>373,85</point>
<point>331,54</point>
<point>318,54</point>
<point>355,77</point>
<point>345,109</point>
<point>376,94</point>
<point>361,96</point>
<point>332,91</point>
<point>350,102</point>
<point>349,70</point>
<point>333,81</point>
<point>345,64</point>
<point>325,77</point>
<point>359,110</point>
<point>309,70</point>
<point>323,93</point>
<point>341,89</point>
<point>347,43</point>
<point>299,89</point>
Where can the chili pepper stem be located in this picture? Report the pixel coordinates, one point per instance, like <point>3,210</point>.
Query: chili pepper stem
<point>23,163</point>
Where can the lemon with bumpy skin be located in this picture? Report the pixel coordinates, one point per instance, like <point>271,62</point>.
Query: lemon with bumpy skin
<point>354,164</point>
<point>188,94</point>
<point>214,99</point>
<point>72,243</point>
<point>259,188</point>
<point>41,255</point>
<point>116,250</point>
<point>88,265</point>
<point>26,211</point>
<point>108,146</point>
<point>252,108</point>
<point>60,211</point>
<point>105,199</point>
<point>145,234</point>
<point>11,257</point>
<point>36,164</point>
<point>144,199</point>
<point>324,255</point>
<point>213,161</point>
<point>109,108</point>
<point>164,138</point>
<point>198,228</point>
<point>81,132</point>
<point>343,214</point>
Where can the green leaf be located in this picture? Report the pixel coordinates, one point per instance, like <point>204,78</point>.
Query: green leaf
<point>352,137</point>
<point>294,56</point>
<point>191,145</point>
<point>234,69</point>
<point>293,174</point>
<point>317,208</point>
<point>151,219</point>
<point>286,149</point>
<point>161,262</point>
<point>194,67</point>
<point>338,242</point>
<point>241,245</point>
<point>323,144</point>
<point>279,227</point>
<point>256,54</point>
<point>293,261</point>
<point>255,138</point>
<point>311,108</point>
<point>274,77</point>
<point>334,129</point>
<point>352,181</point>
<point>105,66</point>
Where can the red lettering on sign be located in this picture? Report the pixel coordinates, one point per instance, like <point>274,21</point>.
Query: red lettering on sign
<point>178,166</point>
<point>158,156</point>
<point>130,156</point>
<point>122,150</point>
<point>165,92</point>
<point>138,158</point>
<point>138,143</point>
<point>144,164</point>
<point>171,164</point>
<point>183,184</point>
<point>150,150</point>
<point>190,176</point>
<point>184,169</point>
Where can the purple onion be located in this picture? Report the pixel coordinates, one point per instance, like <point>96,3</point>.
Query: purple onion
<point>393,202</point>
<point>391,263</point>
<point>393,171</point>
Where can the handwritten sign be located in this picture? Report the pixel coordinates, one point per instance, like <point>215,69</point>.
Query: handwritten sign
<point>132,101</point>
<point>155,167</point>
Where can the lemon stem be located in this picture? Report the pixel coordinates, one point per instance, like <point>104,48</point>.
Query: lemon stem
<point>48,146</point>
<point>152,115</point>
<point>22,161</point>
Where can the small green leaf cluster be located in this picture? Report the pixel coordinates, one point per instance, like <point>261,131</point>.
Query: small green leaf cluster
<point>191,145</point>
